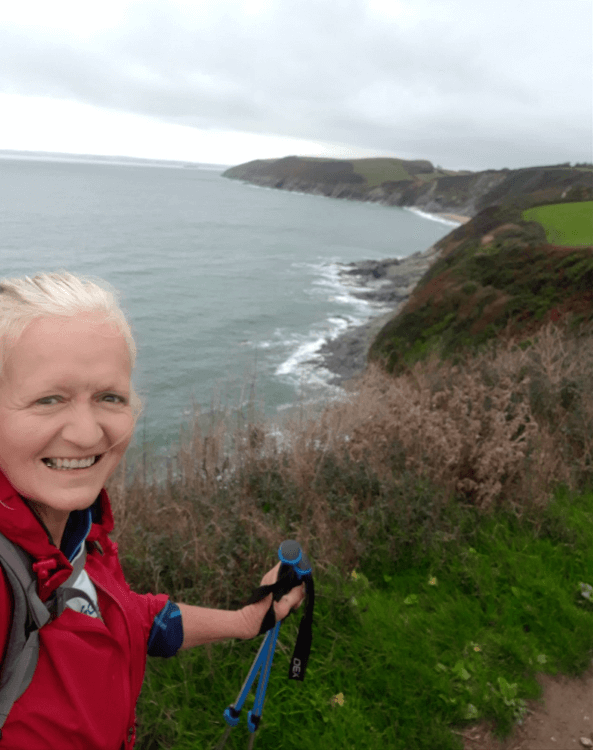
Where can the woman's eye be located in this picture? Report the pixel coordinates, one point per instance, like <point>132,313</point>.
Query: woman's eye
<point>114,398</point>
<point>48,400</point>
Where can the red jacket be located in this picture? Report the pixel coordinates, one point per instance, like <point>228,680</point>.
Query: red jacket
<point>90,671</point>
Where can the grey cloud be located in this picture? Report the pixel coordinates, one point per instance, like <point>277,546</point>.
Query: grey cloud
<point>473,88</point>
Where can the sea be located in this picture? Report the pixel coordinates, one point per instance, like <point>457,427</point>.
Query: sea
<point>230,289</point>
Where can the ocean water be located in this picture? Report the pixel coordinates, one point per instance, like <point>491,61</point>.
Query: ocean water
<point>230,289</point>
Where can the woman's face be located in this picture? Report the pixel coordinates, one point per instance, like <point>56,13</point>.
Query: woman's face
<point>65,394</point>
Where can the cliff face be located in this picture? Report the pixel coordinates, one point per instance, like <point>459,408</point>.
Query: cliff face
<point>459,194</point>
<point>397,182</point>
<point>494,277</point>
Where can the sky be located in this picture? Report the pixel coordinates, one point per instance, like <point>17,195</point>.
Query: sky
<point>467,84</point>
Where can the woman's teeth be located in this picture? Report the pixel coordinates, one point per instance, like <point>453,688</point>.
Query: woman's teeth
<point>69,463</point>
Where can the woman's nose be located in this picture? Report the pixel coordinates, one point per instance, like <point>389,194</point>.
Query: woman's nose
<point>82,427</point>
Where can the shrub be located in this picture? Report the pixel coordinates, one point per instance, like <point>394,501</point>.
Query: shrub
<point>375,477</point>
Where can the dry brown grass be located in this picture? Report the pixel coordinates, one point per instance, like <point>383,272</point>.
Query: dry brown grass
<point>498,430</point>
<point>504,426</point>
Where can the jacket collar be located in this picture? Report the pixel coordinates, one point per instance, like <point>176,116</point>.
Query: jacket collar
<point>21,526</point>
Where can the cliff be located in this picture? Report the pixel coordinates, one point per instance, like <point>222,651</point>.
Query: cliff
<point>415,183</point>
<point>494,277</point>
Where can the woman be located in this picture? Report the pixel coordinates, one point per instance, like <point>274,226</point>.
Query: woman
<point>67,413</point>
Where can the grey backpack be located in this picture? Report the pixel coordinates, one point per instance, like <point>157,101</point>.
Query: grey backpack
<point>29,615</point>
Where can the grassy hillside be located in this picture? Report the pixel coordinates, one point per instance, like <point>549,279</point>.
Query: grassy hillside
<point>377,171</point>
<point>367,172</point>
<point>448,516</point>
<point>565,223</point>
<point>496,276</point>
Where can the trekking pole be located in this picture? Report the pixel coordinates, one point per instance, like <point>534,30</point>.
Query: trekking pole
<point>295,567</point>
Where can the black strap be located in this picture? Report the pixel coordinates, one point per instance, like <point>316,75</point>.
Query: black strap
<point>286,581</point>
<point>300,655</point>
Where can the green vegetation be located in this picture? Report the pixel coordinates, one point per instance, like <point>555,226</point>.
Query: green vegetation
<point>517,282</point>
<point>565,223</point>
<point>377,171</point>
<point>373,172</point>
<point>404,656</point>
<point>448,513</point>
<point>446,504</point>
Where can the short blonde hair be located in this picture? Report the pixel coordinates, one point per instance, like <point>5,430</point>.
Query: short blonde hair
<point>61,294</point>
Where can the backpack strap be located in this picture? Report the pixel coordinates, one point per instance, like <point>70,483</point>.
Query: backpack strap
<point>59,599</point>
<point>29,615</point>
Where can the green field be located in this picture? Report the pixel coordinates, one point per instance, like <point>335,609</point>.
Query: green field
<point>377,171</point>
<point>380,170</point>
<point>565,223</point>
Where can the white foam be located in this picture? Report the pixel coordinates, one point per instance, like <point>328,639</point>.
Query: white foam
<point>433,217</point>
<point>308,350</point>
<point>345,289</point>
<point>303,365</point>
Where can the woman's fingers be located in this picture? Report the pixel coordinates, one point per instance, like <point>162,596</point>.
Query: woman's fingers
<point>253,614</point>
<point>292,600</point>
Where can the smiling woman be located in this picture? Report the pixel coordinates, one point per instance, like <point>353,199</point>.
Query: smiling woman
<point>67,413</point>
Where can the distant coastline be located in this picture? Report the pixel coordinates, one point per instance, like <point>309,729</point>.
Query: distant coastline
<point>117,160</point>
<point>415,184</point>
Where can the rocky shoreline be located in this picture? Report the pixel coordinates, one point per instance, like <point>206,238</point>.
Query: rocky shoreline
<point>388,282</point>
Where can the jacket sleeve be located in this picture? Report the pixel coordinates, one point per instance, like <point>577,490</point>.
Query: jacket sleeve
<point>6,605</point>
<point>166,635</point>
<point>150,606</point>
<point>146,606</point>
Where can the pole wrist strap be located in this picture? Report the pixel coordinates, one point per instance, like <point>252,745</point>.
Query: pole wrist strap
<point>287,580</point>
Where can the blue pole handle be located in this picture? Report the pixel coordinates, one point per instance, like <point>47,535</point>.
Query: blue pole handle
<point>290,552</point>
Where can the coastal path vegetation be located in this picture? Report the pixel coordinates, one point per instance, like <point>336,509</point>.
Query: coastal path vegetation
<point>496,276</point>
<point>447,509</point>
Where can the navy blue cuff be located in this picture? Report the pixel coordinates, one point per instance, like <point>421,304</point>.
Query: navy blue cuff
<point>166,635</point>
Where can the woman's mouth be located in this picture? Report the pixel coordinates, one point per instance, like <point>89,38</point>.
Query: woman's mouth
<point>68,464</point>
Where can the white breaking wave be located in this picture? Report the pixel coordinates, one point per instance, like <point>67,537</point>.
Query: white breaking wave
<point>433,217</point>
<point>303,365</point>
<point>344,289</point>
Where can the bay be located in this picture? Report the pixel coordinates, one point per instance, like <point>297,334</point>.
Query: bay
<point>230,289</point>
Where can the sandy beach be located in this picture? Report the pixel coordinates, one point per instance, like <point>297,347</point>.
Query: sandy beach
<point>457,217</point>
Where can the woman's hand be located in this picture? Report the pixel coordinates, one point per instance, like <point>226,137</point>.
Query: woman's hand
<point>253,614</point>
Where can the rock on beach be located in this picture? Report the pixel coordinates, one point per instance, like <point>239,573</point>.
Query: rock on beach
<point>389,282</point>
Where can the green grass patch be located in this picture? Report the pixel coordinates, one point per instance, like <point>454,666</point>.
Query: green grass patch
<point>428,176</point>
<point>565,223</point>
<point>414,648</point>
<point>377,171</point>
